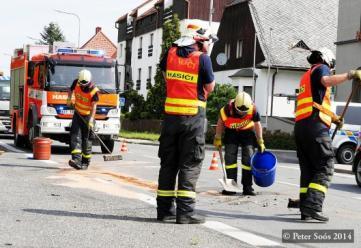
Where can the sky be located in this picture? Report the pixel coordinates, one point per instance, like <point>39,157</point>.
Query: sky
<point>22,18</point>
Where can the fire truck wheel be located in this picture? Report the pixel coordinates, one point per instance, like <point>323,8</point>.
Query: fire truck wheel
<point>19,140</point>
<point>110,145</point>
<point>33,132</point>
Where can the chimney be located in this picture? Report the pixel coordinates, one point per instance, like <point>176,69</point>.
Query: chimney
<point>98,29</point>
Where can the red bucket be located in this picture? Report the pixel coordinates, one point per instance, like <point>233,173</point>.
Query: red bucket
<point>41,148</point>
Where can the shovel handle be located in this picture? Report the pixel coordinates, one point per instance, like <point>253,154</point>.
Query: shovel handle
<point>345,108</point>
<point>222,163</point>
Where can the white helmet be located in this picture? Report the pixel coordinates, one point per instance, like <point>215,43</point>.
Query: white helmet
<point>193,34</point>
<point>324,54</point>
<point>84,77</point>
<point>328,57</point>
<point>243,102</point>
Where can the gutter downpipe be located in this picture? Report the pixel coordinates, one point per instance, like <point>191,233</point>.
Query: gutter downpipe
<point>254,67</point>
<point>273,88</point>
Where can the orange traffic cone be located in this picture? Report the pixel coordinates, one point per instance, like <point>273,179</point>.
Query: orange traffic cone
<point>124,147</point>
<point>214,163</point>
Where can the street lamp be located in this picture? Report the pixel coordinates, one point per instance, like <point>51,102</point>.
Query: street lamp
<point>32,38</point>
<point>73,14</point>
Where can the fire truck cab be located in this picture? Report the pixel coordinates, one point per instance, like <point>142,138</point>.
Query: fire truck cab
<point>40,82</point>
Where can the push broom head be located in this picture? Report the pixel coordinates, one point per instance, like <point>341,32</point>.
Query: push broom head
<point>112,157</point>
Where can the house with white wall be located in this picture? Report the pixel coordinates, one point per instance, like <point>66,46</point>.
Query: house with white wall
<point>254,51</point>
<point>140,35</point>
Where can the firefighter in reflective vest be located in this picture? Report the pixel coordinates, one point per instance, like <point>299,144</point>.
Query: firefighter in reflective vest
<point>189,79</point>
<point>313,121</point>
<point>86,98</point>
<point>242,125</point>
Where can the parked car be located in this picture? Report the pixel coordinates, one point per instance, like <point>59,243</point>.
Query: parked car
<point>345,141</point>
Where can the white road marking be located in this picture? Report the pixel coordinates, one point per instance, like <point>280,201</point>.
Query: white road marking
<point>356,198</point>
<point>227,230</point>
<point>288,167</point>
<point>30,156</point>
<point>10,148</point>
<point>292,184</point>
<point>335,174</point>
<point>152,157</point>
<point>243,236</point>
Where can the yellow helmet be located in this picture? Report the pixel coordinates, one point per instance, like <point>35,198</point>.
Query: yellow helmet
<point>243,102</point>
<point>84,77</point>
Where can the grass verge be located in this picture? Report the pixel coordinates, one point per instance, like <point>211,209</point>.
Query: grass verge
<point>139,135</point>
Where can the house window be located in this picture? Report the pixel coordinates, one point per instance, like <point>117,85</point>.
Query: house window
<point>140,48</point>
<point>150,48</point>
<point>151,39</point>
<point>239,49</point>
<point>139,79</point>
<point>120,50</point>
<point>149,80</point>
<point>227,50</point>
<point>248,89</point>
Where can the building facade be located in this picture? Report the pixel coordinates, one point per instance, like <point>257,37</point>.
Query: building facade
<point>348,45</point>
<point>100,41</point>
<point>255,52</point>
<point>140,36</point>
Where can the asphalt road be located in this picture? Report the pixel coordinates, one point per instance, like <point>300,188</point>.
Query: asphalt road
<point>48,204</point>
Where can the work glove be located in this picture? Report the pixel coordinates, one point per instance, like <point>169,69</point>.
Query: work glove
<point>91,123</point>
<point>217,142</point>
<point>261,146</point>
<point>338,122</point>
<point>69,103</point>
<point>354,74</point>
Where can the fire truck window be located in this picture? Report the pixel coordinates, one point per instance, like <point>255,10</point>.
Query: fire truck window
<point>21,76</point>
<point>31,68</point>
<point>42,77</point>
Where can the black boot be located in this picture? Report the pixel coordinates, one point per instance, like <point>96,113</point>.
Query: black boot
<point>304,217</point>
<point>293,203</point>
<point>166,218</point>
<point>194,219</point>
<point>75,164</point>
<point>307,212</point>
<point>248,190</point>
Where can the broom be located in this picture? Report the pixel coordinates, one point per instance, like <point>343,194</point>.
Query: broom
<point>105,157</point>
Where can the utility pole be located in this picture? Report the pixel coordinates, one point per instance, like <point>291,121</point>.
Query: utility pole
<point>211,10</point>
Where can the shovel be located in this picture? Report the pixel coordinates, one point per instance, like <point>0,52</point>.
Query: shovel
<point>228,184</point>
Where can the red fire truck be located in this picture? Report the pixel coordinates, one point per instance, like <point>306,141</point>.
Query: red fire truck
<point>39,84</point>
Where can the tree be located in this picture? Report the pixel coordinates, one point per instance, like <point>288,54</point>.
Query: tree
<point>134,101</point>
<point>157,93</point>
<point>51,33</point>
<point>217,99</point>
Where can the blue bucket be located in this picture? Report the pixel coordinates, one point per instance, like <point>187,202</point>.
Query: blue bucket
<point>264,168</point>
